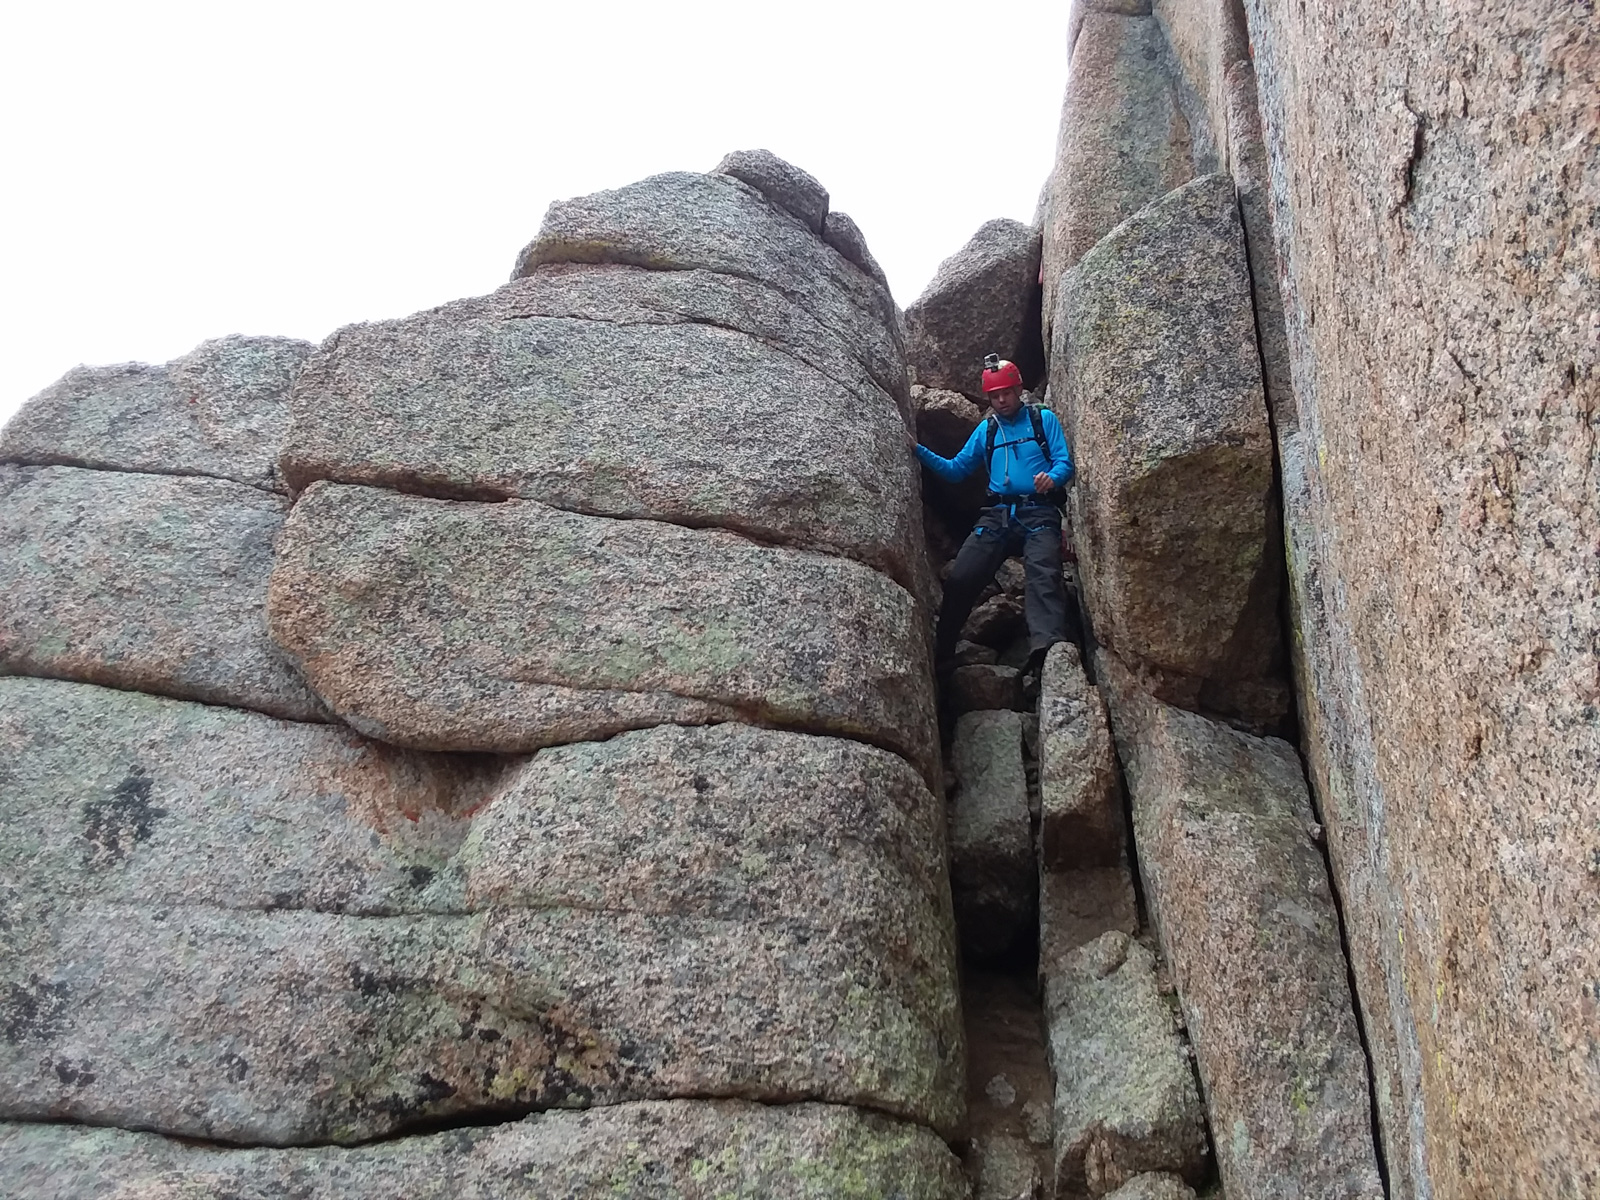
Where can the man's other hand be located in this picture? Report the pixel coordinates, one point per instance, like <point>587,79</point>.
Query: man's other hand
<point>1042,483</point>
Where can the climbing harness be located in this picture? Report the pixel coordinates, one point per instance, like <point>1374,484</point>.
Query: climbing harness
<point>1056,497</point>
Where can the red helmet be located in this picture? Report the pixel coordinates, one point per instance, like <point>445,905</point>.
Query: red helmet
<point>998,373</point>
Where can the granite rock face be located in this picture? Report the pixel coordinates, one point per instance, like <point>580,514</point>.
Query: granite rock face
<point>976,305</point>
<point>784,184</point>
<point>698,397</point>
<point>1081,822</point>
<point>1436,209</point>
<point>347,939</point>
<point>1125,1100</point>
<point>219,410</point>
<point>1240,897</point>
<point>1157,379</point>
<point>673,1150</point>
<point>1123,141</point>
<point>992,873</point>
<point>155,583</point>
<point>448,625</point>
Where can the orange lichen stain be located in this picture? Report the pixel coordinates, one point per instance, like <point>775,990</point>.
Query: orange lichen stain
<point>388,789</point>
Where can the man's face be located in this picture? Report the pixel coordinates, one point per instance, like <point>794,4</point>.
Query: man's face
<point>1005,401</point>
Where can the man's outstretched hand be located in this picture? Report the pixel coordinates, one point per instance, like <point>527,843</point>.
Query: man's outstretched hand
<point>1042,483</point>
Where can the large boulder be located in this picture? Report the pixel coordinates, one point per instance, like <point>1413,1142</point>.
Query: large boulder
<point>1081,819</point>
<point>1240,897</point>
<point>977,304</point>
<point>446,625</point>
<point>1436,207</point>
<point>219,410</point>
<point>783,183</point>
<point>1210,44</point>
<point>693,396</point>
<point>1125,1099</point>
<point>151,582</point>
<point>1123,140</point>
<point>696,1150</point>
<point>992,873</point>
<point>225,926</point>
<point>1158,381</point>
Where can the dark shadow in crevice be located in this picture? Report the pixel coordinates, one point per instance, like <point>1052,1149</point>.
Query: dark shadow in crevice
<point>1029,354</point>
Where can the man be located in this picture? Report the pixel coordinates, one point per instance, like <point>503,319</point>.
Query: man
<point>1029,464</point>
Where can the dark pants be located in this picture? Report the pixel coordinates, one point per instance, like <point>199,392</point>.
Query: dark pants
<point>1035,532</point>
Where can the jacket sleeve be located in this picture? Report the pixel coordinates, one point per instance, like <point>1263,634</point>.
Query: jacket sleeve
<point>967,460</point>
<point>1060,457</point>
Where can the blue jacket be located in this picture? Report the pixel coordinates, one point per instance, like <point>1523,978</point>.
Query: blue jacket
<point>1017,457</point>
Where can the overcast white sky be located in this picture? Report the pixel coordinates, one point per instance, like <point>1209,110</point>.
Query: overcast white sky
<point>179,171</point>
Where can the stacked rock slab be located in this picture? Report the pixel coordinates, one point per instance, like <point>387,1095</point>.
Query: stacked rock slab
<point>138,507</point>
<point>991,834</point>
<point>458,626</point>
<point>1126,1101</point>
<point>521,524</point>
<point>338,938</point>
<point>1125,1095</point>
<point>1211,51</point>
<point>156,583</point>
<point>698,1150</point>
<point>1085,883</point>
<point>731,370</point>
<point>221,410</point>
<point>1240,895</point>
<point>1156,376</point>
<point>1081,821</point>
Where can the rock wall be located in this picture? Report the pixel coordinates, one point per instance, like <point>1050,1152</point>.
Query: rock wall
<point>521,706</point>
<point>1416,189</point>
<point>1435,223</point>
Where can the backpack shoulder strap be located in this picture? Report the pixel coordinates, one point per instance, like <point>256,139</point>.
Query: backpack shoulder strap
<point>994,431</point>
<point>1036,415</point>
